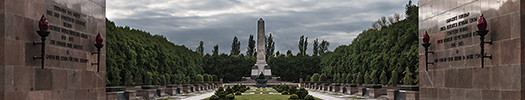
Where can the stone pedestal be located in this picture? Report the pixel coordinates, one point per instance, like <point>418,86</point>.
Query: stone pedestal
<point>375,92</point>
<point>361,91</point>
<point>326,87</point>
<point>336,88</point>
<point>351,89</point>
<point>342,89</point>
<point>130,94</point>
<point>186,89</point>
<point>161,91</point>
<point>171,90</point>
<point>111,95</point>
<point>391,93</point>
<point>412,95</point>
<point>197,87</point>
<point>147,94</point>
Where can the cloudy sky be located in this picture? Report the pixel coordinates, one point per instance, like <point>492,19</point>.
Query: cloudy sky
<point>186,22</point>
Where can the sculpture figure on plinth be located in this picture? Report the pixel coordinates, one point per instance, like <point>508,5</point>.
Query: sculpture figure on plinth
<point>261,81</point>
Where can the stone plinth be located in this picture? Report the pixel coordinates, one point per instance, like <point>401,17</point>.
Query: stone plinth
<point>162,91</point>
<point>336,88</point>
<point>196,87</point>
<point>171,90</point>
<point>111,95</point>
<point>147,94</point>
<point>412,95</point>
<point>130,94</point>
<point>186,89</point>
<point>361,91</point>
<point>351,89</point>
<point>342,89</point>
<point>391,94</point>
<point>375,92</point>
<point>326,87</point>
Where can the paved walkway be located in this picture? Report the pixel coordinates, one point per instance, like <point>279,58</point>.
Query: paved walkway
<point>323,96</point>
<point>200,96</point>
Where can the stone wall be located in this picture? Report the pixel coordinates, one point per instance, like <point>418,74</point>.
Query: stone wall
<point>457,72</point>
<point>68,73</point>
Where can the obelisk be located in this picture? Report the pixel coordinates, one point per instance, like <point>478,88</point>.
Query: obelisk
<point>260,65</point>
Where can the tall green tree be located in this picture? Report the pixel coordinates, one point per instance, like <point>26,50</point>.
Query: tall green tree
<point>323,47</point>
<point>316,47</point>
<point>303,44</point>
<point>251,47</point>
<point>200,49</point>
<point>215,50</point>
<point>236,46</point>
<point>270,46</point>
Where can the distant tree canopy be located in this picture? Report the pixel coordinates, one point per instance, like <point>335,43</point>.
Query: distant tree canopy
<point>391,48</point>
<point>135,57</point>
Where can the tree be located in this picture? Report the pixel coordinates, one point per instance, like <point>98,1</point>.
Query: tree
<point>407,80</point>
<point>315,77</point>
<point>322,78</point>
<point>215,50</point>
<point>349,78</point>
<point>307,78</point>
<point>393,78</point>
<point>236,46</point>
<point>251,47</point>
<point>316,47</point>
<point>270,46</point>
<point>373,77</point>
<point>289,53</point>
<point>343,78</point>
<point>366,78</point>
<point>323,47</point>
<point>383,78</point>
<point>301,45</point>
<point>200,49</point>
<point>359,78</point>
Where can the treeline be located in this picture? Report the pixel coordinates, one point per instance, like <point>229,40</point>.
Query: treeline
<point>136,57</point>
<point>390,49</point>
<point>235,66</point>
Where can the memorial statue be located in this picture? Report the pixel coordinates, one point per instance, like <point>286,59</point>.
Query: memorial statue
<point>261,81</point>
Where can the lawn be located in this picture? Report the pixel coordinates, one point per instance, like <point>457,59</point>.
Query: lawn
<point>262,97</point>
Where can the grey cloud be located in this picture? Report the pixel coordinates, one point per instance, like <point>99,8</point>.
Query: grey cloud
<point>186,22</point>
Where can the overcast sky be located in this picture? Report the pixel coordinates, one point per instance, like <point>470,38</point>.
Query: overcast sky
<point>186,22</point>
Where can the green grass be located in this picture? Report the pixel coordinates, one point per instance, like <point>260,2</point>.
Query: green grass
<point>356,97</point>
<point>262,97</point>
<point>186,95</point>
<point>337,94</point>
<point>168,98</point>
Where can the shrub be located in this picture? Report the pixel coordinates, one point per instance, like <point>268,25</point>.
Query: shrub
<point>237,93</point>
<point>349,78</point>
<point>359,78</point>
<point>230,96</point>
<point>393,78</point>
<point>214,97</point>
<point>315,77</point>
<point>229,90</point>
<point>284,93</point>
<point>366,78</point>
<point>302,93</point>
<point>335,78</point>
<point>307,78</point>
<point>293,97</point>
<point>342,79</point>
<point>407,80</point>
<point>292,89</point>
<point>309,97</point>
<point>322,78</point>
<point>384,79</point>
<point>199,78</point>
<point>373,77</point>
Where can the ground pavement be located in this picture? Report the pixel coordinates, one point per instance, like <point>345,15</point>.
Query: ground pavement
<point>324,96</point>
